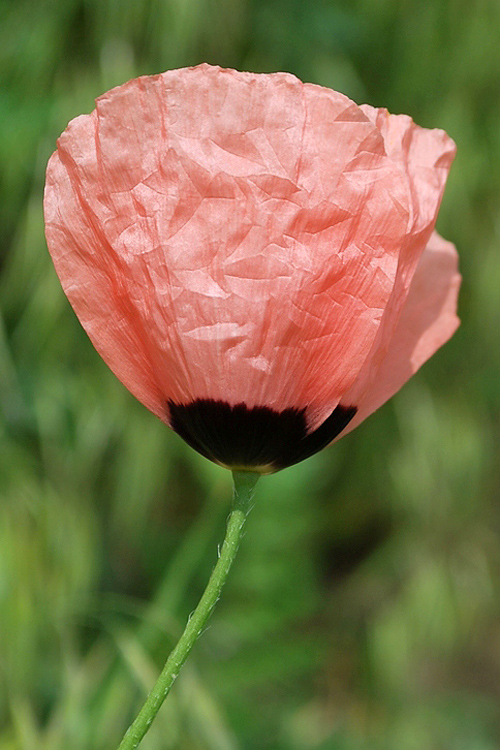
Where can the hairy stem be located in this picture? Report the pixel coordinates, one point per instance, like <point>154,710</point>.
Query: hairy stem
<point>244,486</point>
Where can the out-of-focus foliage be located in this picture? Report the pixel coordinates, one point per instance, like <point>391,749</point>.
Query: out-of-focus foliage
<point>363,611</point>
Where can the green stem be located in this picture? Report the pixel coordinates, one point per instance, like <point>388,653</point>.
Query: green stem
<point>244,485</point>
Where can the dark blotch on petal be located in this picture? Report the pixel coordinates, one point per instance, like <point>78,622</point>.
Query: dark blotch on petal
<point>258,437</point>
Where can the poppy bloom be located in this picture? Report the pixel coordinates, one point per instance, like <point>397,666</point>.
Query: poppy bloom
<point>253,257</point>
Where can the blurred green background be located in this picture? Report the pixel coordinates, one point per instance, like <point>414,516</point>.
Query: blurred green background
<point>363,610</point>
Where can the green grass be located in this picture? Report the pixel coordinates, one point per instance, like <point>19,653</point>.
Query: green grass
<point>363,610</point>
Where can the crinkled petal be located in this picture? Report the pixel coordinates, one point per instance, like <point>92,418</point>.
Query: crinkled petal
<point>227,235</point>
<point>424,157</point>
<point>428,320</point>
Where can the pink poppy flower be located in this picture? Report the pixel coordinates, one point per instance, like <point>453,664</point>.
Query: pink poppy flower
<point>253,257</point>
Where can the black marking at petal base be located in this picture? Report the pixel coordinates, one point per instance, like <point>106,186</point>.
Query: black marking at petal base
<point>242,437</point>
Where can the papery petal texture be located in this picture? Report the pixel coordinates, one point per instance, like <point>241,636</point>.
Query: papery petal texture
<point>425,157</point>
<point>242,239</point>
<point>428,320</point>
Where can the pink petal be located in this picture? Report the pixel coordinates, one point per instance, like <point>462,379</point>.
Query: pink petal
<point>228,236</point>
<point>245,252</point>
<point>428,320</point>
<point>424,157</point>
